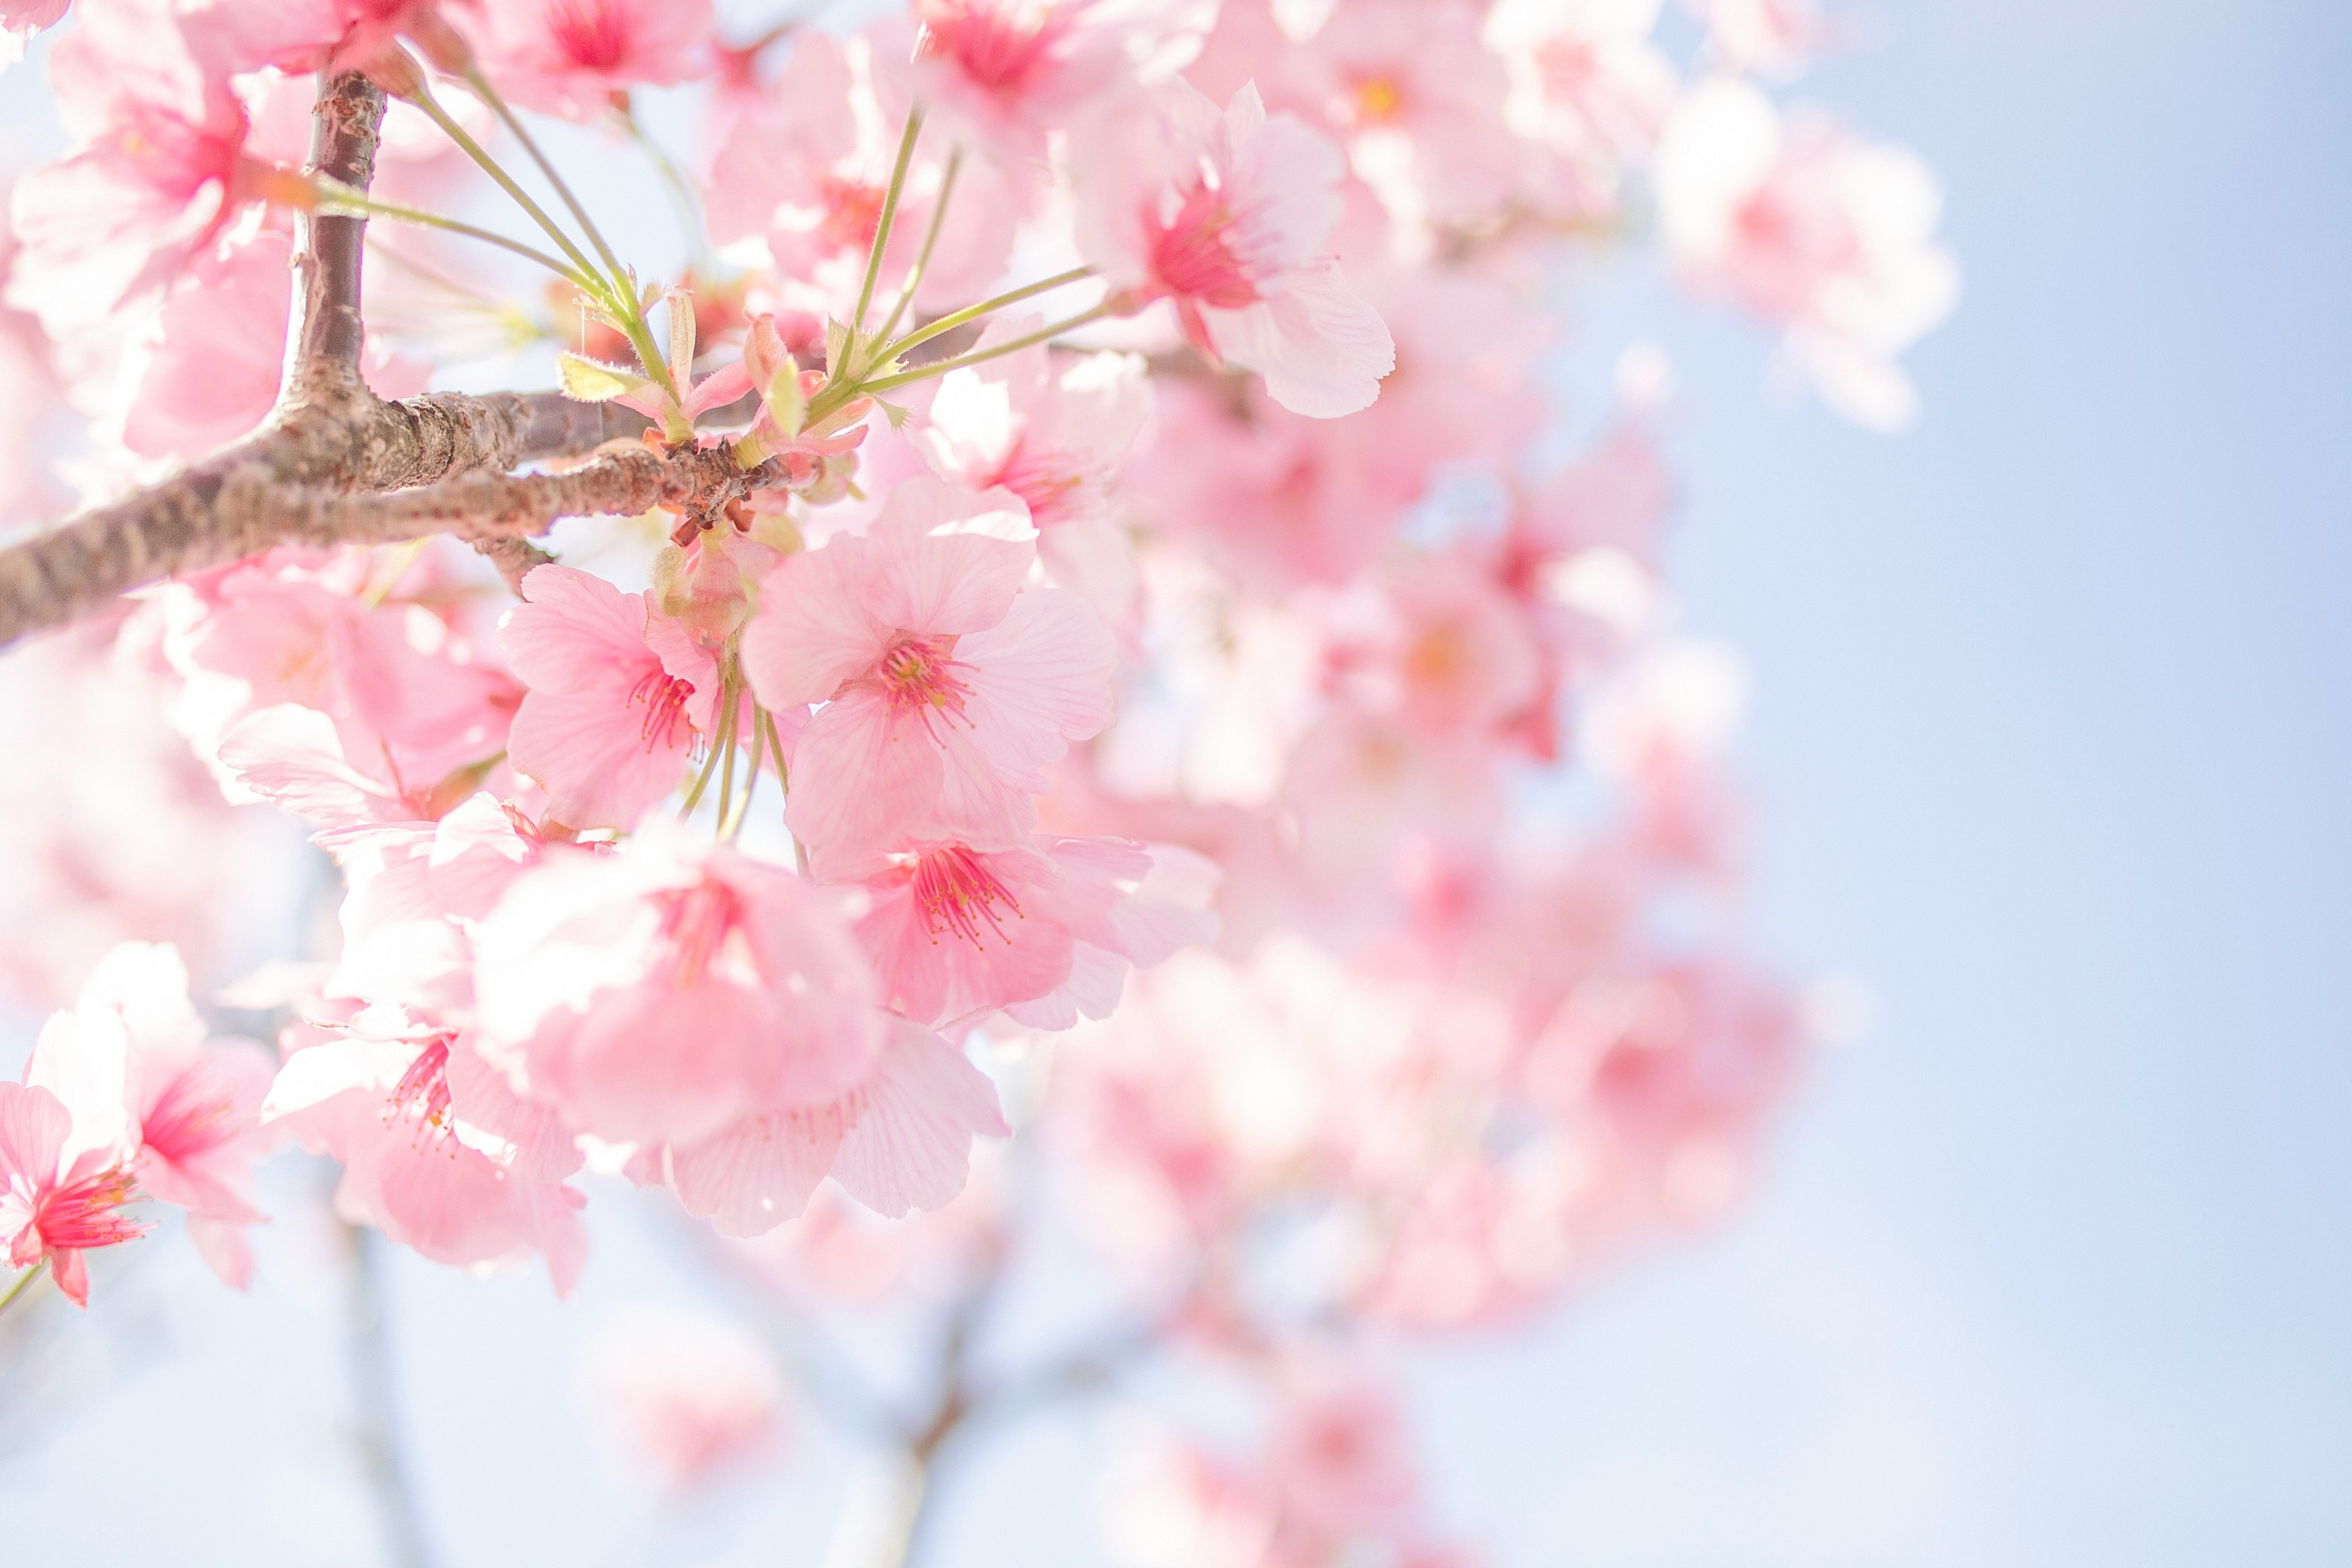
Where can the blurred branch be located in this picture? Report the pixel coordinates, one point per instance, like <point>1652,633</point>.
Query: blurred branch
<point>382,1457</point>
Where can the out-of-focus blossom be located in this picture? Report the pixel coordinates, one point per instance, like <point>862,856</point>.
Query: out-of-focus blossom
<point>574,57</point>
<point>1227,214</point>
<point>671,990</point>
<point>685,1394</point>
<point>805,170</point>
<point>160,169</point>
<point>1806,225</point>
<point>144,1085</point>
<point>1010,71</point>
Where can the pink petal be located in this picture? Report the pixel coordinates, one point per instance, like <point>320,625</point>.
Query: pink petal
<point>758,1175</point>
<point>912,1146</point>
<point>1042,678</point>
<point>574,632</point>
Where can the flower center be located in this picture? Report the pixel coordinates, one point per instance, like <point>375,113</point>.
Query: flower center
<point>86,1214</point>
<point>423,1090</point>
<point>998,46</point>
<point>696,923</point>
<point>664,696</point>
<point>959,894</point>
<point>1044,480</point>
<point>1378,99</point>
<point>919,674</point>
<point>186,1123</point>
<point>592,34</point>
<point>1193,255</point>
<point>853,212</point>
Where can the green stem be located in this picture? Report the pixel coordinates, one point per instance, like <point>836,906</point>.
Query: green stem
<point>948,323</point>
<point>923,255</point>
<point>23,1280</point>
<point>723,740</point>
<point>776,745</point>
<point>981,356</point>
<point>513,122</point>
<point>506,182</point>
<point>674,180</point>
<point>622,295</point>
<point>890,197</point>
<point>335,195</point>
<point>730,827</point>
<point>726,774</point>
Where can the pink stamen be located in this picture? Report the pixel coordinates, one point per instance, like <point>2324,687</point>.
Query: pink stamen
<point>918,675</point>
<point>1043,479</point>
<point>186,1125</point>
<point>665,697</point>
<point>1193,256</point>
<point>82,1215</point>
<point>957,893</point>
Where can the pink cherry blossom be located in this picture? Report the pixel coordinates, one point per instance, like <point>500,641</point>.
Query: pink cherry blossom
<point>160,169</point>
<point>900,1140</point>
<point>20,19</point>
<point>1008,72</point>
<point>616,700</point>
<point>390,1096</point>
<point>805,170</point>
<point>306,36</point>
<point>52,1208</point>
<point>1420,100</point>
<point>1045,931</point>
<point>1336,1453</point>
<point>1058,442</point>
<point>377,641</point>
<point>134,843</point>
<point>671,989</point>
<point>133,1064</point>
<point>946,683</point>
<point>572,56</point>
<point>691,1395</point>
<point>1805,226</point>
<point>1589,86</point>
<point>1227,216</point>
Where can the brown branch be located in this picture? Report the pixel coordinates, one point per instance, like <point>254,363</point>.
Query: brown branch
<point>330,434</point>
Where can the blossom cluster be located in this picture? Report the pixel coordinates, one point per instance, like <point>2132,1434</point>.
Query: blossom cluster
<point>1149,657</point>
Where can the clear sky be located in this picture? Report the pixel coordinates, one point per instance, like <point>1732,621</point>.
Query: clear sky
<point>2052,745</point>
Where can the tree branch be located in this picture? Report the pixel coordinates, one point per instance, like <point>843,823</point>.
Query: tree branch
<point>329,435</point>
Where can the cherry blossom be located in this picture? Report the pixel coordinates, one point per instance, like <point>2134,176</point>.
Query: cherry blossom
<point>609,719</point>
<point>691,1395</point>
<point>56,1205</point>
<point>1227,214</point>
<point>947,684</point>
<point>671,990</point>
<point>573,57</point>
<point>1069,699</point>
<point>133,1064</point>
<point>1805,226</point>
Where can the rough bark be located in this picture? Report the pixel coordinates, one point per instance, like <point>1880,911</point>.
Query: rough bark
<point>318,471</point>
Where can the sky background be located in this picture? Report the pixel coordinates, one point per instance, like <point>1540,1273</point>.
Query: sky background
<point>2051,744</point>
